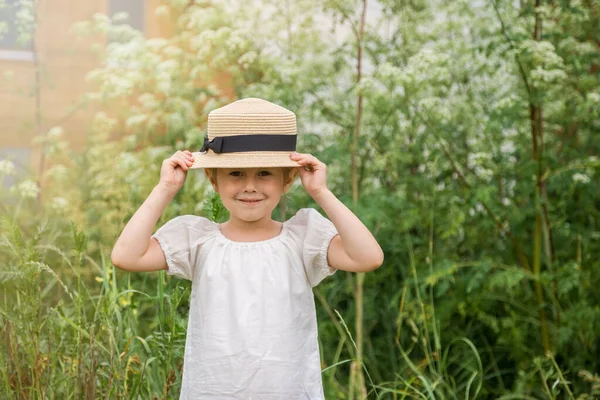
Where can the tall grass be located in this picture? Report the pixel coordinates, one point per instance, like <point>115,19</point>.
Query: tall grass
<point>73,327</point>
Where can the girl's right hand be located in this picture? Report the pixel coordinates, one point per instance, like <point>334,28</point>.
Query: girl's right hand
<point>174,170</point>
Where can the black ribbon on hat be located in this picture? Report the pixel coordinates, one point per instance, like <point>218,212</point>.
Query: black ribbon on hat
<point>240,143</point>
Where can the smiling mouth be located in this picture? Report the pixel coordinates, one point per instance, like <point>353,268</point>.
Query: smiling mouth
<point>250,201</point>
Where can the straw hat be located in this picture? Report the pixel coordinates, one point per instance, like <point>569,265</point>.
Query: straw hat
<point>248,133</point>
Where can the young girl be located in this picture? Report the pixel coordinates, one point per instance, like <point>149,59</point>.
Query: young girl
<point>252,329</point>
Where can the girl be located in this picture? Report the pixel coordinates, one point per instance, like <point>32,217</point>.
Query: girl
<point>252,329</point>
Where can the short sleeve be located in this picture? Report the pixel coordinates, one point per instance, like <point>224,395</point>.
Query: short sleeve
<point>314,233</point>
<point>180,240</point>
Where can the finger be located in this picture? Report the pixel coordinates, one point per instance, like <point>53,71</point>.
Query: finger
<point>185,158</point>
<point>189,155</point>
<point>297,155</point>
<point>301,157</point>
<point>188,160</point>
<point>182,164</point>
<point>312,163</point>
<point>307,166</point>
<point>302,171</point>
<point>185,154</point>
<point>309,158</point>
<point>176,161</point>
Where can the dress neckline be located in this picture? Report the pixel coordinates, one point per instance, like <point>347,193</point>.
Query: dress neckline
<point>254,243</point>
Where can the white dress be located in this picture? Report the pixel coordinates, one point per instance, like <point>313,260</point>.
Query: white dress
<point>252,328</point>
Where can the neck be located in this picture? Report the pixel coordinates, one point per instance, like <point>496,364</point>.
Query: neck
<point>244,231</point>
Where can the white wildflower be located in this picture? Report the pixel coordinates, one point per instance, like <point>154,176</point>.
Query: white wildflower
<point>99,17</point>
<point>511,132</point>
<point>388,71</point>
<point>366,85</point>
<point>506,201</point>
<point>506,102</point>
<point>507,147</point>
<point>28,189</point>
<point>148,100</point>
<point>127,161</point>
<point>248,57</point>
<point>235,41</point>
<point>130,140</point>
<point>172,51</point>
<point>471,141</point>
<point>55,132</point>
<point>483,173</point>
<point>510,187</point>
<point>594,97</point>
<point>57,172</point>
<point>118,17</point>
<point>136,120</point>
<point>162,11</point>
<point>580,178</point>
<point>7,168</point>
<point>60,204</point>
<point>156,44</point>
<point>475,159</point>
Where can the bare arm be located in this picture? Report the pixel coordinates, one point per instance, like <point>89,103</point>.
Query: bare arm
<point>135,250</point>
<point>355,249</point>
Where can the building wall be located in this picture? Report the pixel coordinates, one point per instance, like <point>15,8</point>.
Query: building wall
<point>60,64</point>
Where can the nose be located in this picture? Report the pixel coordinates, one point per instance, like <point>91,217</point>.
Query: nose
<point>250,183</point>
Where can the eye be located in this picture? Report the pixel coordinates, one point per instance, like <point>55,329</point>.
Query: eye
<point>235,173</point>
<point>264,173</point>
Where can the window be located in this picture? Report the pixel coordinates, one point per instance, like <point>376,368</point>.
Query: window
<point>135,11</point>
<point>16,25</point>
<point>21,158</point>
<point>16,30</point>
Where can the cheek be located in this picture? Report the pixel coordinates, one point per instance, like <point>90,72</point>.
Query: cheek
<point>275,187</point>
<point>231,189</point>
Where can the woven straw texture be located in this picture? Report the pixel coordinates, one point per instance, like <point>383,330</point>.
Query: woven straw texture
<point>248,117</point>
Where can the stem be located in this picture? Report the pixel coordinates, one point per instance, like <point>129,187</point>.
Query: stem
<point>561,376</point>
<point>541,221</point>
<point>512,46</point>
<point>288,23</point>
<point>538,287</point>
<point>537,137</point>
<point>38,100</point>
<point>359,109</point>
<point>357,379</point>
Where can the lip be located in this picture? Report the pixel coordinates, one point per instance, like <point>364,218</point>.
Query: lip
<point>250,202</point>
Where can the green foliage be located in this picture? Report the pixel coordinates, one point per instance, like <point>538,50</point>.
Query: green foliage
<point>214,209</point>
<point>449,182</point>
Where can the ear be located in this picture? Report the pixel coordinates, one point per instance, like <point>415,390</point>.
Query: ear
<point>208,173</point>
<point>290,179</point>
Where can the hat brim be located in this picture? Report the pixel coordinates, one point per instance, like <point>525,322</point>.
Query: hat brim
<point>252,159</point>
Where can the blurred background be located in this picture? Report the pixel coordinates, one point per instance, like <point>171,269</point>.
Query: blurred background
<point>463,133</point>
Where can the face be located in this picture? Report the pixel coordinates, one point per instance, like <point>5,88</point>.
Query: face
<point>249,194</point>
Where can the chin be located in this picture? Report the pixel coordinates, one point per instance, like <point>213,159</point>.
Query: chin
<point>252,215</point>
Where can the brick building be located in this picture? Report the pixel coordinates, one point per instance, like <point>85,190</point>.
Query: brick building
<point>42,78</point>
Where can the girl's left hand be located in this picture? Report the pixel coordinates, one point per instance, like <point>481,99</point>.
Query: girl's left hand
<point>313,173</point>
